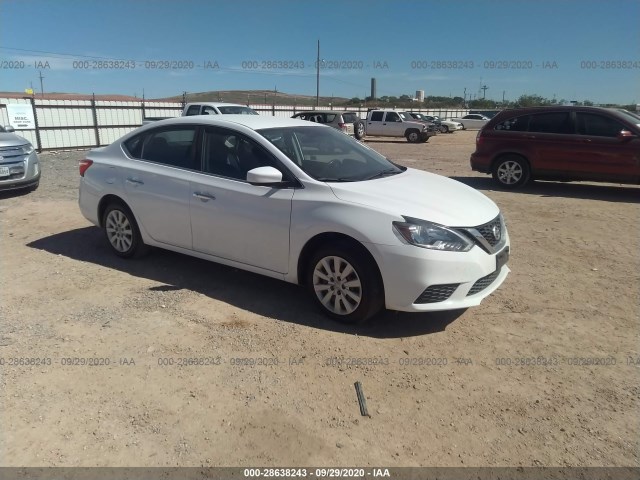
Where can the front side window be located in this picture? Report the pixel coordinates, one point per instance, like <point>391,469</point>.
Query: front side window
<point>228,154</point>
<point>392,117</point>
<point>597,125</point>
<point>208,110</point>
<point>173,147</point>
<point>558,122</point>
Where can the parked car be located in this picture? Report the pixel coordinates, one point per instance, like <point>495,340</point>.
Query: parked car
<point>300,202</point>
<point>472,121</point>
<point>392,123</point>
<point>347,122</point>
<point>19,163</point>
<point>443,126</point>
<point>559,143</point>
<point>207,108</point>
<point>216,108</point>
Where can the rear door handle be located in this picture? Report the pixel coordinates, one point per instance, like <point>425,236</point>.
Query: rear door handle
<point>135,181</point>
<point>205,197</point>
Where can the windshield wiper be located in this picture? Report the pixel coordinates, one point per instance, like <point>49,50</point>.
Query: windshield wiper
<point>383,173</point>
<point>331,179</point>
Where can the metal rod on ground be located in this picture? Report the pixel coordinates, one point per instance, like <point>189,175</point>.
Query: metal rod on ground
<point>361,400</point>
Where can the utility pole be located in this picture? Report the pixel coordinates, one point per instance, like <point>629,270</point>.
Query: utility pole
<point>464,102</point>
<point>318,77</point>
<point>41,87</point>
<point>484,91</point>
<point>503,97</point>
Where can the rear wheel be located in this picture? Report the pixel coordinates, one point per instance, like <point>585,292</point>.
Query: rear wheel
<point>344,284</point>
<point>444,129</point>
<point>122,231</point>
<point>359,130</point>
<point>511,171</point>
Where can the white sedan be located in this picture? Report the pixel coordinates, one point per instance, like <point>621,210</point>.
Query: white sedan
<point>472,121</point>
<point>300,202</point>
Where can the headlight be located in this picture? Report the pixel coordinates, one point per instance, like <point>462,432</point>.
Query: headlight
<point>432,236</point>
<point>26,149</point>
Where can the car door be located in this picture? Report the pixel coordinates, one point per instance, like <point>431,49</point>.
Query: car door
<point>374,124</point>
<point>231,218</point>
<point>600,154</point>
<point>393,125</point>
<point>550,139</point>
<point>157,183</point>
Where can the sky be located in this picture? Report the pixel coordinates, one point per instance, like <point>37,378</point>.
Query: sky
<point>571,49</point>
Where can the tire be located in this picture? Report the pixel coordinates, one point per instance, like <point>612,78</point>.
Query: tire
<point>444,129</point>
<point>511,171</point>
<point>122,232</point>
<point>351,299</point>
<point>359,130</point>
<point>413,136</point>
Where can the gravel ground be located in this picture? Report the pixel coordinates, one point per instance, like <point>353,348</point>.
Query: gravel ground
<point>200,364</point>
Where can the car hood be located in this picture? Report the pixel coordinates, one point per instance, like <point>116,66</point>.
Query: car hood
<point>423,195</point>
<point>11,140</point>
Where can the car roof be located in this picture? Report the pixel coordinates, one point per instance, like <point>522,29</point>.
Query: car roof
<point>216,104</point>
<point>254,122</point>
<point>558,108</point>
<point>316,112</point>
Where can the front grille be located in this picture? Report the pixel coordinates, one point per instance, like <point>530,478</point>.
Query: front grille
<point>487,231</point>
<point>483,283</point>
<point>437,293</point>
<point>10,153</point>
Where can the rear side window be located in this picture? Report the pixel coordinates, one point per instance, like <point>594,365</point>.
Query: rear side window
<point>558,122</point>
<point>173,147</point>
<point>515,124</point>
<point>597,125</point>
<point>207,110</point>
<point>377,116</point>
<point>193,110</point>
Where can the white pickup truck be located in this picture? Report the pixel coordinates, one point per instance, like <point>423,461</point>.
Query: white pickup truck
<point>393,123</point>
<point>208,108</point>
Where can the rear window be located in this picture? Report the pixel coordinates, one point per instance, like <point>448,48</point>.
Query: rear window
<point>350,117</point>
<point>193,110</point>
<point>515,124</point>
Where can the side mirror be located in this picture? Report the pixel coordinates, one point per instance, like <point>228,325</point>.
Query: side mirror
<point>264,176</point>
<point>9,129</point>
<point>626,135</point>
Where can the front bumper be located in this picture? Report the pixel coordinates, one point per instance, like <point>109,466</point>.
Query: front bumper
<point>408,273</point>
<point>24,172</point>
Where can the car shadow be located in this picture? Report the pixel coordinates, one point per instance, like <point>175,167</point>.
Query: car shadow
<point>252,292</point>
<point>605,192</point>
<point>19,192</point>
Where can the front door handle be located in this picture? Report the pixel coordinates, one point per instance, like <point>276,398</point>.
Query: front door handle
<point>135,181</point>
<point>205,197</point>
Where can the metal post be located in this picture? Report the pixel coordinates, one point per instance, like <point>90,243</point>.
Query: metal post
<point>318,77</point>
<point>35,118</point>
<point>95,119</point>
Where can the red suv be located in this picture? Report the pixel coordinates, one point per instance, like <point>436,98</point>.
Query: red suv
<point>559,143</point>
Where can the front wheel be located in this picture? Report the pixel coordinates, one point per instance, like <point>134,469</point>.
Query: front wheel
<point>344,284</point>
<point>444,129</point>
<point>122,231</point>
<point>413,136</point>
<point>511,171</point>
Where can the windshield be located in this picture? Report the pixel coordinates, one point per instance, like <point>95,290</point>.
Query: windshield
<point>632,117</point>
<point>405,116</point>
<point>329,155</point>
<point>237,110</point>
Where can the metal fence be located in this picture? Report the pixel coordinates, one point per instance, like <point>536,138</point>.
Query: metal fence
<point>77,124</point>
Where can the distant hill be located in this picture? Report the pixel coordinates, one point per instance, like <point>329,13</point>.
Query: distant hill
<point>263,97</point>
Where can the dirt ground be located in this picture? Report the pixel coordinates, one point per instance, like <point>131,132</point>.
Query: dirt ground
<point>197,364</point>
